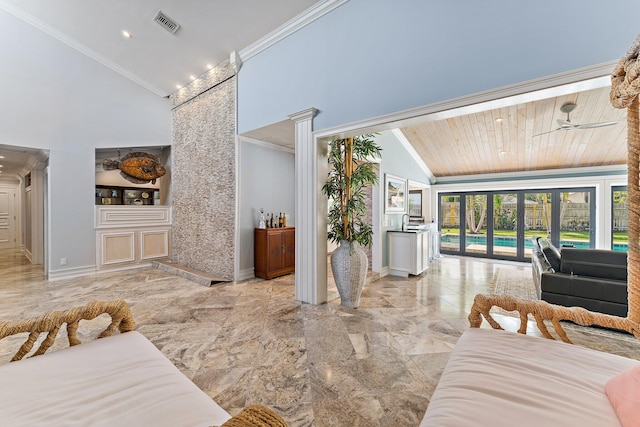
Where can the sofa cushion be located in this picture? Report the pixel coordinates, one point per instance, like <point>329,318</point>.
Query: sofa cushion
<point>122,380</point>
<point>500,379</point>
<point>550,252</point>
<point>606,307</point>
<point>595,263</point>
<point>585,287</point>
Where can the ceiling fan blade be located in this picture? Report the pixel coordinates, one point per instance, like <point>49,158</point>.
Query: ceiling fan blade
<point>595,125</point>
<point>544,133</point>
<point>566,124</point>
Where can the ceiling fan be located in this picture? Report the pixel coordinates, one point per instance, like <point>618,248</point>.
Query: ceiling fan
<point>567,125</point>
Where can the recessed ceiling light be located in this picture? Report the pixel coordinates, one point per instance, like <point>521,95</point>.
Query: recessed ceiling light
<point>499,119</point>
<point>1,166</point>
<point>192,77</point>
<point>126,34</point>
<point>1,157</point>
<point>502,152</point>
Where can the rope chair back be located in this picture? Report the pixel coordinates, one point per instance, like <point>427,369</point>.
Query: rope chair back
<point>625,87</point>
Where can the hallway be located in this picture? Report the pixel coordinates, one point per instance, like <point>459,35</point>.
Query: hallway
<point>15,268</point>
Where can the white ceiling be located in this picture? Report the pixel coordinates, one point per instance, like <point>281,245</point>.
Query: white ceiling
<point>153,57</point>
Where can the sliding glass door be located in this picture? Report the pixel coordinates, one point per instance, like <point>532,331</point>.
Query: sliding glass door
<point>619,219</point>
<point>505,224</point>
<point>575,219</point>
<point>502,224</point>
<point>450,223</point>
<point>476,223</point>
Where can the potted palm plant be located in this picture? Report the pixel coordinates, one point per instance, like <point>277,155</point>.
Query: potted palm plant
<point>350,172</point>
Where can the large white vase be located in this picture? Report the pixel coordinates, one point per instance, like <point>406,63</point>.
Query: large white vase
<point>349,264</point>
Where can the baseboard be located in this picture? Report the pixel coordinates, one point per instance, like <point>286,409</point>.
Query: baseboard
<point>69,273</point>
<point>399,273</point>
<point>245,274</point>
<point>124,267</point>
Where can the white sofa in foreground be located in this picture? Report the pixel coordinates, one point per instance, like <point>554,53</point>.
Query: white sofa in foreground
<point>122,380</point>
<point>501,379</point>
<point>117,380</point>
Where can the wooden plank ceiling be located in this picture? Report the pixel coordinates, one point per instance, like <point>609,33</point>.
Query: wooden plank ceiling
<point>478,143</point>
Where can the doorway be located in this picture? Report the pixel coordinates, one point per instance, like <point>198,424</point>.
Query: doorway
<point>8,223</point>
<point>501,224</point>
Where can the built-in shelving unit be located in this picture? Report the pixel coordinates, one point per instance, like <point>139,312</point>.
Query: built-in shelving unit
<point>113,195</point>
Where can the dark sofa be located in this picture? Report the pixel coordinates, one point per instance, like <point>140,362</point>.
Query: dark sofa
<point>595,279</point>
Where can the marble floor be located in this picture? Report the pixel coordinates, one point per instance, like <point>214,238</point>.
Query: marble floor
<point>251,342</point>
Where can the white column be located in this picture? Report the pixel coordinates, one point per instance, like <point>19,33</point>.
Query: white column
<point>310,212</point>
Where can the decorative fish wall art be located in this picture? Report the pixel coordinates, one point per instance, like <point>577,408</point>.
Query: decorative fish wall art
<point>137,167</point>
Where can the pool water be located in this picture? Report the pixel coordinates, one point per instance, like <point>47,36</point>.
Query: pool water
<point>511,242</point>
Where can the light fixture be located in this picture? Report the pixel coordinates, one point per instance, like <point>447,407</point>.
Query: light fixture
<point>499,120</point>
<point>178,87</point>
<point>192,77</point>
<point>502,152</point>
<point>1,166</point>
<point>1,157</point>
<point>209,66</point>
<point>126,34</point>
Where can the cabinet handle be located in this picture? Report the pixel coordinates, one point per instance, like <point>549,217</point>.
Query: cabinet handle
<point>284,249</point>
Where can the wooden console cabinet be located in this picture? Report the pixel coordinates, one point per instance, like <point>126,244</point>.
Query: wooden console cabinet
<point>274,252</point>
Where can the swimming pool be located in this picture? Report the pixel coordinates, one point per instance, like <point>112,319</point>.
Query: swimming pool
<point>511,242</point>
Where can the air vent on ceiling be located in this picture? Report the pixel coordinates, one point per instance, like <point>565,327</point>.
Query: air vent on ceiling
<point>167,23</point>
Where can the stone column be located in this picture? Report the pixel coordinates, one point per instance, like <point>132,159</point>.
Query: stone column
<point>203,173</point>
<point>311,211</point>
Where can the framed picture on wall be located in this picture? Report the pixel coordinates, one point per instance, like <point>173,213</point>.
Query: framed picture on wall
<point>395,194</point>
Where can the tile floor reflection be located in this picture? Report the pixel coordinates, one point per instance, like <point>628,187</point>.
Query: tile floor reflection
<point>251,342</point>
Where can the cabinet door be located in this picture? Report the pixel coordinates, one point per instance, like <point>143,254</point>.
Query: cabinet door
<point>416,252</point>
<point>276,249</point>
<point>290,248</point>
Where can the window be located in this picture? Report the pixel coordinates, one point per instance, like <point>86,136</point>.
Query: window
<point>501,224</point>
<point>415,204</point>
<point>619,219</point>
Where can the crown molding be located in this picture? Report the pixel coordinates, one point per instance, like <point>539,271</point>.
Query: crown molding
<point>586,171</point>
<point>302,20</point>
<point>74,44</point>
<point>265,144</point>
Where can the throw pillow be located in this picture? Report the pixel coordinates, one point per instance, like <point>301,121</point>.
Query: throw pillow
<point>623,392</point>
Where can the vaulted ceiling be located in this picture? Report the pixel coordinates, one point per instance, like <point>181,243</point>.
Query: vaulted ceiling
<point>154,57</point>
<point>523,137</point>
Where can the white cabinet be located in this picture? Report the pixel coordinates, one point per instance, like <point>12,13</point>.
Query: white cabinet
<point>408,252</point>
<point>128,236</point>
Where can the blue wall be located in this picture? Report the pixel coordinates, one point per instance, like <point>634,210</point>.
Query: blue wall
<point>397,161</point>
<point>266,180</point>
<point>373,57</point>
